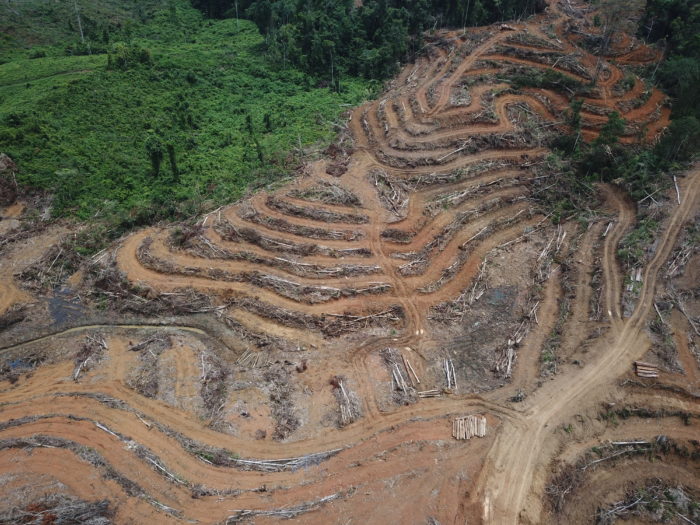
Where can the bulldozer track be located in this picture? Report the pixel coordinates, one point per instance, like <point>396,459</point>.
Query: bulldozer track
<point>434,195</point>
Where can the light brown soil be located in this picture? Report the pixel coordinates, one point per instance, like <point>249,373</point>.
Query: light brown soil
<point>453,261</point>
<point>19,256</point>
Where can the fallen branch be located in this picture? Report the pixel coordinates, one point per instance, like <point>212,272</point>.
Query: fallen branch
<point>286,513</point>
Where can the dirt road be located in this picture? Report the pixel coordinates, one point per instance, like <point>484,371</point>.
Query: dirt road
<point>415,245</point>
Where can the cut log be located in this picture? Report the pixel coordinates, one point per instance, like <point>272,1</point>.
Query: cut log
<point>468,426</point>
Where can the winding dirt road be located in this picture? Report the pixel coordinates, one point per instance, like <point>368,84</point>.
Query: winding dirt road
<point>390,248</point>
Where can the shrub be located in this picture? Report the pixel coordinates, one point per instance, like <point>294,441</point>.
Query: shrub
<point>127,56</point>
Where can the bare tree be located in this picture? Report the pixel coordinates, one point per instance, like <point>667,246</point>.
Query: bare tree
<point>80,24</point>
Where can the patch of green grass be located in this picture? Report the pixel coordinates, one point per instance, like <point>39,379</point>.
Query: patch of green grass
<point>206,455</point>
<point>22,71</point>
<point>631,251</point>
<point>548,356</point>
<point>100,131</point>
<point>609,417</point>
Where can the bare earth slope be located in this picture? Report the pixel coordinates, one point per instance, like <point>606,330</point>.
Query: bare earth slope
<point>405,279</point>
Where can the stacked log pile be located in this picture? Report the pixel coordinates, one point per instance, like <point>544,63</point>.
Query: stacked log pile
<point>646,369</point>
<point>468,426</point>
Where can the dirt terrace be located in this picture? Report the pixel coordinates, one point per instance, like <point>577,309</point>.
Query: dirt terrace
<point>312,382</point>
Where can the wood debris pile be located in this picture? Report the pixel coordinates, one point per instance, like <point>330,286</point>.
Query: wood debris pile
<point>229,232</point>
<point>213,385</point>
<point>281,392</point>
<point>61,509</point>
<point>327,193</point>
<point>392,193</point>
<point>144,378</point>
<point>350,408</point>
<point>90,353</point>
<point>450,376</point>
<point>317,214</point>
<point>249,214</point>
<point>245,515</point>
<point>430,393</point>
<point>284,287</point>
<point>403,388</point>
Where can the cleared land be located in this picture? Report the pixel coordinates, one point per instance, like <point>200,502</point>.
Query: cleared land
<point>304,353</point>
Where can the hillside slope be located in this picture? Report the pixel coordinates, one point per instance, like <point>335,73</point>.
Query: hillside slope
<point>310,352</point>
<point>102,135</point>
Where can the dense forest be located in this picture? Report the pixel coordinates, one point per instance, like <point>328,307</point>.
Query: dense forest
<point>675,26</point>
<point>368,38</point>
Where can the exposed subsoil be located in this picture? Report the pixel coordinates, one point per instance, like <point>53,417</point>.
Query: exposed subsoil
<point>277,356</point>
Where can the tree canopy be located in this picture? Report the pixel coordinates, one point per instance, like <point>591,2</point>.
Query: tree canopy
<point>675,24</point>
<point>335,37</point>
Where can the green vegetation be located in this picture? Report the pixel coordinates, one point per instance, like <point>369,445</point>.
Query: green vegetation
<point>546,79</point>
<point>561,190</point>
<point>675,26</point>
<point>130,112</point>
<point>180,115</point>
<point>633,245</point>
<point>334,38</point>
<point>36,28</point>
<point>135,111</point>
<point>675,21</point>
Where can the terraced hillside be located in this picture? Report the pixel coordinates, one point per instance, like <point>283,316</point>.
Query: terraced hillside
<point>327,333</point>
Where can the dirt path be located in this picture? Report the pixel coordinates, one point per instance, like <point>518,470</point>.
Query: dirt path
<point>438,189</point>
<point>518,447</point>
<point>612,276</point>
<point>19,256</point>
<point>10,294</point>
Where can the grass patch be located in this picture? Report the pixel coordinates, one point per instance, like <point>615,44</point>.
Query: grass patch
<point>633,245</point>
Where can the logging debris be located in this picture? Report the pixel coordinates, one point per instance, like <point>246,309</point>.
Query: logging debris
<point>403,391</point>
<point>91,351</point>
<point>327,193</point>
<point>144,378</point>
<point>350,407</point>
<point>60,509</point>
<point>286,512</point>
<point>450,376</point>
<point>317,214</point>
<point>281,394</point>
